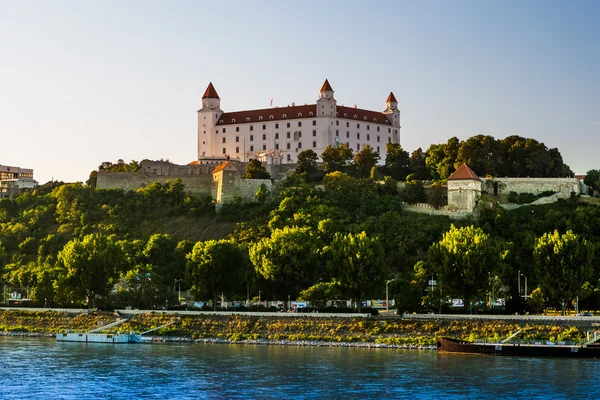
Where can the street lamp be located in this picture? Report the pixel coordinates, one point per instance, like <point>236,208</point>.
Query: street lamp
<point>387,302</point>
<point>179,294</point>
<point>525,297</point>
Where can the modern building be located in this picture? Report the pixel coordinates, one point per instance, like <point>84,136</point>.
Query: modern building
<point>14,179</point>
<point>276,135</point>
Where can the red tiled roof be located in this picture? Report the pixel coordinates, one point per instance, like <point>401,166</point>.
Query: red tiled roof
<point>210,93</point>
<point>193,163</point>
<point>220,167</point>
<point>391,98</point>
<point>326,86</point>
<point>295,112</point>
<point>463,172</point>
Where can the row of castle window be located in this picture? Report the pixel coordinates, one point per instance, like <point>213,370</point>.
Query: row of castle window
<point>298,135</point>
<point>337,123</point>
<point>299,146</point>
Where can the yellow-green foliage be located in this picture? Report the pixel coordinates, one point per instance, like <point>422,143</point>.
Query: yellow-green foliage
<point>302,328</point>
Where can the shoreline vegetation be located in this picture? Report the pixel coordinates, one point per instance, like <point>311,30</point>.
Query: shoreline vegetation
<point>376,332</point>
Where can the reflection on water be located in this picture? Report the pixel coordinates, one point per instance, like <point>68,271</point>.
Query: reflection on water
<point>41,368</point>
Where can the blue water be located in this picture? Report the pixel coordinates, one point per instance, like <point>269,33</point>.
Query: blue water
<point>32,368</point>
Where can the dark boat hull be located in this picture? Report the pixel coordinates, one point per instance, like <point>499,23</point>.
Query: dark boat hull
<point>447,345</point>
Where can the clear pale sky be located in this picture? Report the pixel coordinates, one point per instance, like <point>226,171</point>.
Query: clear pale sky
<point>83,82</point>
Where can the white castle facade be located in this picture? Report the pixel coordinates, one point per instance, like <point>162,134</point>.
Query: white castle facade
<point>276,135</point>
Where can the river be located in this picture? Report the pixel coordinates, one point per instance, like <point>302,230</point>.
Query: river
<point>39,368</point>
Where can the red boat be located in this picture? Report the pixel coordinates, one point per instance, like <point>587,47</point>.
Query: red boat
<point>448,345</point>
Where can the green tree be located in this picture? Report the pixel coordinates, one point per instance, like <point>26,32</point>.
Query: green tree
<point>90,264</point>
<point>289,259</point>
<point>255,170</point>
<point>216,267</point>
<point>464,260</point>
<point>437,196</point>
<point>414,192</point>
<point>397,161</point>
<point>592,179</point>
<point>336,158</point>
<point>365,159</point>
<point>358,261</point>
<point>563,264</point>
<point>307,162</point>
<point>418,167</point>
<point>322,291</point>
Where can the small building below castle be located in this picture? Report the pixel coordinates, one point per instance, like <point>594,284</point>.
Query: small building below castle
<point>13,180</point>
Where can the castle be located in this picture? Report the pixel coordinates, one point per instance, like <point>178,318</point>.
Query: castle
<point>276,135</point>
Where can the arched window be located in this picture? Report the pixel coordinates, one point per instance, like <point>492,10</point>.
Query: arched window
<point>260,118</point>
<point>233,121</point>
<point>271,117</point>
<point>355,116</point>
<point>247,119</point>
<point>310,114</point>
<point>299,115</point>
<point>284,115</point>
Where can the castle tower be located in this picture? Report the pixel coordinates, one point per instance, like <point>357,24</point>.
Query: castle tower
<point>464,189</point>
<point>393,115</point>
<point>326,105</point>
<point>208,118</point>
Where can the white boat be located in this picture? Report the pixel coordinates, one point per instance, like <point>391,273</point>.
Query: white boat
<point>112,338</point>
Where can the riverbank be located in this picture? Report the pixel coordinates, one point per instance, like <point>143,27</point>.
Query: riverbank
<point>299,330</point>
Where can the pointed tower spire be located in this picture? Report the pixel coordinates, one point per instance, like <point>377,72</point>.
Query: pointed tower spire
<point>326,87</point>
<point>391,98</point>
<point>210,92</point>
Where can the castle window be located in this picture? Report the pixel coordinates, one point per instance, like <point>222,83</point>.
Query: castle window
<point>348,144</point>
<point>289,157</point>
<point>368,127</point>
<point>389,130</point>
<point>288,146</point>
<point>374,119</point>
<point>355,116</point>
<point>310,114</point>
<point>277,136</point>
<point>389,140</point>
<point>271,117</point>
<point>347,135</point>
<point>233,121</point>
<point>337,133</point>
<point>357,147</point>
<point>368,137</point>
<point>299,123</point>
<point>299,134</point>
<point>264,137</point>
<point>224,150</point>
<point>251,127</point>
<point>378,149</point>
<point>288,135</point>
<point>237,139</point>
<point>276,126</point>
<point>224,130</point>
<point>299,115</point>
<point>337,123</point>
<point>251,138</point>
<point>264,127</point>
<point>345,115</point>
<point>314,144</point>
<point>365,118</point>
<point>276,146</point>
<point>299,145</point>
<point>260,118</point>
<point>237,128</point>
<point>314,122</point>
<point>284,115</point>
<point>314,133</point>
<point>377,138</point>
<point>288,125</point>
<point>395,130</point>
<point>347,123</point>
<point>237,149</point>
<point>264,146</point>
<point>358,136</point>
<point>357,126</point>
<point>247,119</point>
<point>224,140</point>
<point>377,129</point>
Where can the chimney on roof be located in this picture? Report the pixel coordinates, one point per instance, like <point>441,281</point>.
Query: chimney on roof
<point>355,106</point>
<point>293,104</point>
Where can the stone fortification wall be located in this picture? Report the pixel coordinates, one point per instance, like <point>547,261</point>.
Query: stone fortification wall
<point>424,208</point>
<point>244,188</point>
<point>196,178</point>
<point>535,185</point>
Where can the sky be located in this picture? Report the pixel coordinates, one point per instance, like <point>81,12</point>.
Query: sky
<point>84,82</point>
